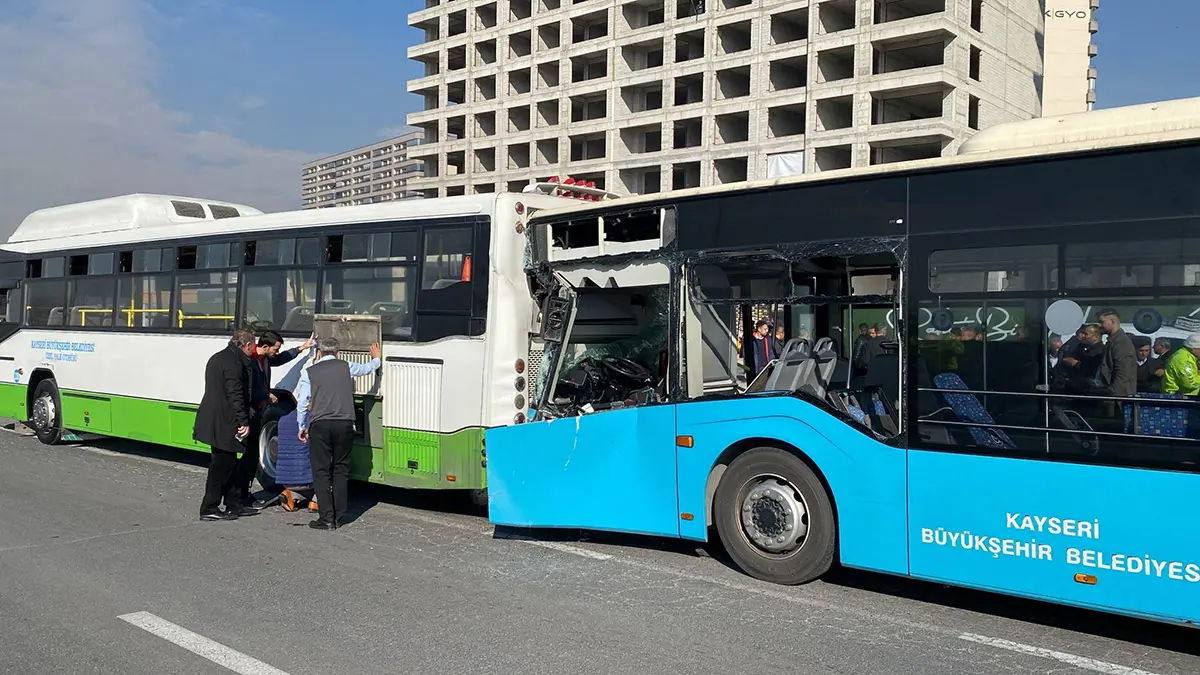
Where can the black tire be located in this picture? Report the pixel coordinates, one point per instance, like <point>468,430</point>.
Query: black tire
<point>268,453</point>
<point>479,498</point>
<point>815,552</point>
<point>45,413</point>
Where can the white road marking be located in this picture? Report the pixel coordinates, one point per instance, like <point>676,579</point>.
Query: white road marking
<point>199,645</point>
<point>1069,659</point>
<point>566,548</point>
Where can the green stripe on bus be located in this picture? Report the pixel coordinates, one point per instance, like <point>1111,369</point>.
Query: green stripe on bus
<point>402,457</point>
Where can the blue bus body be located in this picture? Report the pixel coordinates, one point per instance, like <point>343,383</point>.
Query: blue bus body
<point>1010,525</point>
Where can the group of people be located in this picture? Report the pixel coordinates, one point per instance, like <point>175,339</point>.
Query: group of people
<point>1087,364</point>
<point>238,401</point>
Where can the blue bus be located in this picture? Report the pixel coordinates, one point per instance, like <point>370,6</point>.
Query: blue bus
<point>947,369</point>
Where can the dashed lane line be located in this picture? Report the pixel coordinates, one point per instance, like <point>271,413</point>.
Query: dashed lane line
<point>1075,660</point>
<point>214,651</point>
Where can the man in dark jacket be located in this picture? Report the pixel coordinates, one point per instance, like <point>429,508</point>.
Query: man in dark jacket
<point>223,424</point>
<point>1119,370</point>
<point>268,353</point>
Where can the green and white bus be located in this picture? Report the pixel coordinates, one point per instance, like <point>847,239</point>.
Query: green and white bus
<point>113,307</point>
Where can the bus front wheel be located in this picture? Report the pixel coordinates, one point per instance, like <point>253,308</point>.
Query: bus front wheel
<point>268,455</point>
<point>45,413</point>
<point>775,518</point>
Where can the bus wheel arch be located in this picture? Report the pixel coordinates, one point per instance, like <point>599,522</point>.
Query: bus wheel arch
<point>767,478</point>
<point>44,407</point>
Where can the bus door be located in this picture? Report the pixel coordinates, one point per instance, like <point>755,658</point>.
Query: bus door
<point>596,467</point>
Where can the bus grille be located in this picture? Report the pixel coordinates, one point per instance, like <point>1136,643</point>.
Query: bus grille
<point>536,354</point>
<point>368,385</point>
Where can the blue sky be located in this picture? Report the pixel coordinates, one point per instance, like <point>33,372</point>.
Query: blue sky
<point>226,98</point>
<point>353,52</point>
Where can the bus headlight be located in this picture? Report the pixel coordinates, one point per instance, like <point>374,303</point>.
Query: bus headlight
<point>519,401</point>
<point>519,418</point>
<point>520,383</point>
<point>520,366</point>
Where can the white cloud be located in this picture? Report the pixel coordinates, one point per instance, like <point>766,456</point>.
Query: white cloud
<point>252,103</point>
<point>79,119</point>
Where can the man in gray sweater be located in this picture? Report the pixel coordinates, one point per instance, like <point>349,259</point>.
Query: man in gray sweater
<point>325,414</point>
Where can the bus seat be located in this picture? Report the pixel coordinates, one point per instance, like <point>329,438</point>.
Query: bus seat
<point>56,317</point>
<point>299,319</point>
<point>1171,421</point>
<point>827,359</point>
<point>444,283</point>
<point>792,372</point>
<point>968,409</point>
<point>339,306</point>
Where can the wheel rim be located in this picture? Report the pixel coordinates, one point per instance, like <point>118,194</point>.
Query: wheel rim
<point>44,414</point>
<point>268,452</point>
<point>774,515</point>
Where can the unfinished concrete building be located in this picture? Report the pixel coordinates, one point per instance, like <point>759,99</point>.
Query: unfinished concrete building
<point>649,95</point>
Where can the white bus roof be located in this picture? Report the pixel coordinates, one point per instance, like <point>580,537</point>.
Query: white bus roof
<point>147,218</point>
<point>1150,123</point>
<point>118,214</point>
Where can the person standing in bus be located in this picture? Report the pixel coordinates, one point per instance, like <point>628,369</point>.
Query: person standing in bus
<point>759,349</point>
<point>325,415</point>
<point>223,424</point>
<point>1182,375</point>
<point>1118,372</point>
<point>267,354</point>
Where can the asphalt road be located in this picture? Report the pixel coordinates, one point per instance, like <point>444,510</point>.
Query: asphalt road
<point>419,585</point>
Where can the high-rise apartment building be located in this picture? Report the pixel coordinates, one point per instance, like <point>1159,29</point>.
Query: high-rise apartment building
<point>379,172</point>
<point>649,95</point>
<point>1069,80</point>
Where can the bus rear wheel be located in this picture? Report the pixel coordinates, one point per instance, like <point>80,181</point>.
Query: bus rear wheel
<point>775,518</point>
<point>479,498</point>
<point>268,454</point>
<point>45,413</point>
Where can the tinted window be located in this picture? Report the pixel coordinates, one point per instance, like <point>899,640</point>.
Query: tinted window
<point>44,301</point>
<point>385,290</point>
<point>305,251</point>
<point>447,256</point>
<point>206,300</point>
<point>144,301</point>
<point>1136,263</point>
<point>284,300</point>
<point>100,263</point>
<point>1135,186</point>
<point>867,208</point>
<point>90,303</point>
<point>992,270</point>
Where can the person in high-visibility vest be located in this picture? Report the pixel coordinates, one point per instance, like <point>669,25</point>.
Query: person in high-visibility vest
<point>1182,375</point>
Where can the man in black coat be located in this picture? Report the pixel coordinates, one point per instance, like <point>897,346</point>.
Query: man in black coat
<point>223,424</point>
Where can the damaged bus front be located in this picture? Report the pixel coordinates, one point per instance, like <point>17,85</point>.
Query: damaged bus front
<point>651,416</point>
